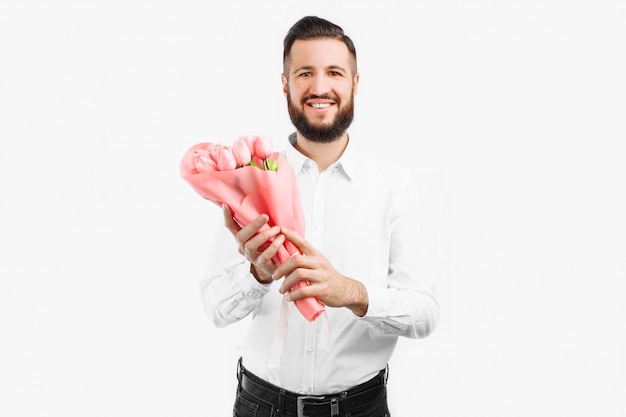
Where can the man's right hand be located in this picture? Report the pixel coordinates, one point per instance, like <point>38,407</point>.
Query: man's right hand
<point>256,245</point>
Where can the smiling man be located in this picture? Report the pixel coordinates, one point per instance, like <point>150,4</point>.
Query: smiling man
<point>360,256</point>
<point>321,77</point>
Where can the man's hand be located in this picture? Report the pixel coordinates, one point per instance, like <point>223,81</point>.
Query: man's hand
<point>328,285</point>
<point>256,245</point>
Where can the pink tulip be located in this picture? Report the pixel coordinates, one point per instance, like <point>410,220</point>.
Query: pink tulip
<point>203,161</point>
<point>263,146</point>
<point>241,151</point>
<point>249,139</point>
<point>213,149</point>
<point>226,159</point>
<point>258,162</point>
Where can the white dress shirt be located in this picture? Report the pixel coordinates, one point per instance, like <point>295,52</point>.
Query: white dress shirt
<point>361,214</point>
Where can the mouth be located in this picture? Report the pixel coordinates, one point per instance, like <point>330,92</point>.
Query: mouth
<point>320,103</point>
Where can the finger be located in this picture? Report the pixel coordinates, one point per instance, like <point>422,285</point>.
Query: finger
<point>299,285</point>
<point>251,229</point>
<point>262,257</point>
<point>260,242</point>
<point>299,241</point>
<point>301,292</point>
<point>297,268</point>
<point>272,249</point>
<point>286,268</point>
<point>229,221</point>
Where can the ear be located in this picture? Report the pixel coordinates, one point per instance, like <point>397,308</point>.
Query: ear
<point>355,84</point>
<point>285,84</point>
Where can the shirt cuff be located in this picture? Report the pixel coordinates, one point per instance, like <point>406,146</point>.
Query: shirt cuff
<point>377,302</point>
<point>249,285</point>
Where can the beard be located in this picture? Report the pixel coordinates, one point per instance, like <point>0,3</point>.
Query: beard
<point>321,133</point>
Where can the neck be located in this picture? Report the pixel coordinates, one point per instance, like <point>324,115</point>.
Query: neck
<point>323,154</point>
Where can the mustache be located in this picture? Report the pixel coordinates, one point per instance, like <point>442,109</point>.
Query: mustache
<point>322,97</point>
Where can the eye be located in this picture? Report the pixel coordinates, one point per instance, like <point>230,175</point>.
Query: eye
<point>305,74</point>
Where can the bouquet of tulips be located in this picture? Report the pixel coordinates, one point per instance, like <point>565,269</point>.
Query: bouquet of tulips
<point>252,180</point>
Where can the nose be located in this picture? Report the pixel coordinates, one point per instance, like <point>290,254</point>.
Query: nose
<point>320,85</point>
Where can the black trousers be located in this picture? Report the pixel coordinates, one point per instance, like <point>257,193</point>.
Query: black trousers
<point>259,398</point>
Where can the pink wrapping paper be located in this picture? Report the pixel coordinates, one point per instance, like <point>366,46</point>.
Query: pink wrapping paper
<point>249,192</point>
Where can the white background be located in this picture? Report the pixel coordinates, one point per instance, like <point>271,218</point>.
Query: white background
<point>512,114</point>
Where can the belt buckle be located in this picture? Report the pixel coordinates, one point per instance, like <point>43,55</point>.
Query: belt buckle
<point>333,402</point>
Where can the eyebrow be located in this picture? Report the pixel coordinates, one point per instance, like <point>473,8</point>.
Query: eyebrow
<point>310,67</point>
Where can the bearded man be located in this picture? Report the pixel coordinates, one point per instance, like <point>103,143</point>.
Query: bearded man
<point>360,256</point>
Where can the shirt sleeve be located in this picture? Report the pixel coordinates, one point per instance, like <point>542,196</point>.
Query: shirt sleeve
<point>230,292</point>
<point>406,305</point>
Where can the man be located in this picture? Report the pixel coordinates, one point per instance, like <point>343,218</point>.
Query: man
<point>360,255</point>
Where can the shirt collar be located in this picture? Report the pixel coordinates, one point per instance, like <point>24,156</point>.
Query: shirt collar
<point>346,163</point>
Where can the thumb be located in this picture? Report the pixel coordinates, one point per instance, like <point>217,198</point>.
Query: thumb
<point>229,221</point>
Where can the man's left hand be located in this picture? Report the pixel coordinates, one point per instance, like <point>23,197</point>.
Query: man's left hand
<point>325,283</point>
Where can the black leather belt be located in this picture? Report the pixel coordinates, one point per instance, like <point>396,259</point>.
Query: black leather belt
<point>330,405</point>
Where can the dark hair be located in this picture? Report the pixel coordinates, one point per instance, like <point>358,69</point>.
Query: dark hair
<point>313,27</point>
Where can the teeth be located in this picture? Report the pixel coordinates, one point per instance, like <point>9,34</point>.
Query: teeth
<point>320,105</point>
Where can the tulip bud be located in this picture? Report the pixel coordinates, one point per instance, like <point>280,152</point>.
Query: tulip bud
<point>257,162</point>
<point>249,139</point>
<point>263,146</point>
<point>203,162</point>
<point>241,151</point>
<point>225,159</point>
<point>213,150</point>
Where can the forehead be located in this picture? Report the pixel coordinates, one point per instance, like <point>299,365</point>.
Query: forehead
<point>319,53</point>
